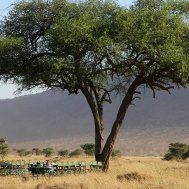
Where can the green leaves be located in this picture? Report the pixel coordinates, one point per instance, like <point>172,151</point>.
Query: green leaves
<point>89,149</point>
<point>69,45</point>
<point>48,152</point>
<point>9,44</point>
<point>85,27</point>
<point>177,151</point>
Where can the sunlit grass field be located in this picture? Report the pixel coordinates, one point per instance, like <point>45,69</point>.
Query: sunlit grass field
<point>124,173</point>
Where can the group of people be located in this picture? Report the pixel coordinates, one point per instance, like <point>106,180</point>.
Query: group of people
<point>38,168</point>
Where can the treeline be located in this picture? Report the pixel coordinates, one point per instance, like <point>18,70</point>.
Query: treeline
<point>87,149</point>
<point>177,151</point>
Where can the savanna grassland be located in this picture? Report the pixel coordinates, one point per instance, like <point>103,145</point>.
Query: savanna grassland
<point>124,173</point>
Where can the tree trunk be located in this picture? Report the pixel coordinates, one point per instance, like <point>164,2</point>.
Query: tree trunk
<point>108,147</point>
<point>96,107</point>
<point>98,144</point>
<point>106,156</point>
<point>97,111</point>
<point>99,127</point>
<point>107,150</point>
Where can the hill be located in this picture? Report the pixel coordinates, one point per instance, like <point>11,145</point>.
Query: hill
<point>64,121</point>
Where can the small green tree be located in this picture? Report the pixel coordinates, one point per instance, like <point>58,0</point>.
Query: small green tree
<point>4,147</point>
<point>116,153</point>
<point>76,152</point>
<point>63,153</point>
<point>23,152</point>
<point>47,152</point>
<point>27,152</point>
<point>20,152</point>
<point>36,151</point>
<point>89,149</point>
<point>177,151</point>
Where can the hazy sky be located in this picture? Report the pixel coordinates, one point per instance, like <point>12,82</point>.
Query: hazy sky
<point>7,91</point>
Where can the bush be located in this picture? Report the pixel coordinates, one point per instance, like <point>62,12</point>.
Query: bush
<point>116,153</point>
<point>76,152</point>
<point>89,149</point>
<point>185,155</point>
<point>133,176</point>
<point>168,156</point>
<point>23,152</point>
<point>36,151</point>
<point>4,147</point>
<point>48,152</point>
<point>63,153</point>
<point>177,151</point>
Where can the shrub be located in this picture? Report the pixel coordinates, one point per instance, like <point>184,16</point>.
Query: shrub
<point>133,176</point>
<point>22,152</point>
<point>89,149</point>
<point>63,153</point>
<point>36,151</point>
<point>47,152</point>
<point>177,151</point>
<point>185,155</point>
<point>4,147</point>
<point>168,156</point>
<point>76,152</point>
<point>116,153</point>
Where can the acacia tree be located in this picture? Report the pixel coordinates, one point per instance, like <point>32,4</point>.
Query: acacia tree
<point>48,152</point>
<point>97,48</point>
<point>177,151</point>
<point>36,151</point>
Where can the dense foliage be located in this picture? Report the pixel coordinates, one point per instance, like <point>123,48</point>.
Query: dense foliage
<point>76,152</point>
<point>48,152</point>
<point>177,151</point>
<point>36,151</point>
<point>89,149</point>
<point>63,153</point>
<point>23,152</point>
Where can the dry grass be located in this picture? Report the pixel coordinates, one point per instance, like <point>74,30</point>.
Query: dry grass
<point>135,173</point>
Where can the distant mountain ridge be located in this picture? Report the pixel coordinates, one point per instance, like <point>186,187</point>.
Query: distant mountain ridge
<point>61,120</point>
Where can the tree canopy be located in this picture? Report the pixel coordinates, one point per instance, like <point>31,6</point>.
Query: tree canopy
<point>177,151</point>
<point>89,149</point>
<point>98,48</point>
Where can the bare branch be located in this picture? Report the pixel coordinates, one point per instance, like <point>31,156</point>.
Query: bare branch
<point>153,90</point>
<point>163,87</point>
<point>136,97</point>
<point>137,92</point>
